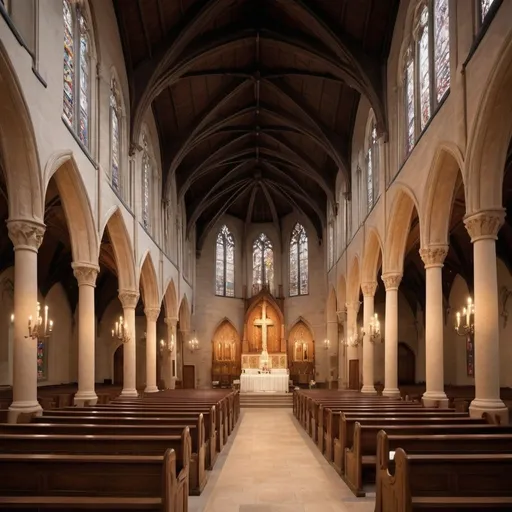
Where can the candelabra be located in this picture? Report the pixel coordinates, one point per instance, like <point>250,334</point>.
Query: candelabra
<point>167,346</point>
<point>354,339</point>
<point>193,344</point>
<point>42,327</point>
<point>468,313</point>
<point>120,331</point>
<point>375,329</point>
<point>327,344</point>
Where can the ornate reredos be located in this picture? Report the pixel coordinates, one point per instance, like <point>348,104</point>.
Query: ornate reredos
<point>301,333</point>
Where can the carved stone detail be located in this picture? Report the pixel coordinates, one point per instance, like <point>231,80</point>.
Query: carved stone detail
<point>85,274</point>
<point>128,298</point>
<point>354,306</point>
<point>152,314</point>
<point>369,288</point>
<point>434,256</point>
<point>172,322</point>
<point>484,225</point>
<point>26,234</point>
<point>392,281</point>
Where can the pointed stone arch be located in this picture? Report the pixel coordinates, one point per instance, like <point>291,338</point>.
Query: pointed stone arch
<point>341,292</point>
<point>171,300</point>
<point>184,314</point>
<point>331,306</point>
<point>373,255</point>
<point>354,281</point>
<point>83,234</point>
<point>149,283</point>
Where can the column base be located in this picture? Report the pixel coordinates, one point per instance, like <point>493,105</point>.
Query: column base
<point>369,390</point>
<point>151,389</point>
<point>493,407</point>
<point>129,393</point>
<point>391,392</point>
<point>27,409</point>
<point>435,399</point>
<point>84,398</point>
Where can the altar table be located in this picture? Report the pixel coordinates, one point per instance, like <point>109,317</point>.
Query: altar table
<point>265,382</point>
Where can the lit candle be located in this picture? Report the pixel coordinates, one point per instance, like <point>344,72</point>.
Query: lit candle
<point>51,326</point>
<point>112,333</point>
<point>45,316</point>
<point>30,321</point>
<point>116,329</point>
<point>458,319</point>
<point>468,311</point>
<point>12,318</point>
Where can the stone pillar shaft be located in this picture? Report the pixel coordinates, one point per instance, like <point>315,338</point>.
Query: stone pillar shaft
<point>26,237</point>
<point>169,358</point>
<point>483,228</point>
<point>86,276</point>
<point>433,257</point>
<point>352,352</point>
<point>368,348</point>
<point>391,282</point>
<point>151,318</point>
<point>129,301</point>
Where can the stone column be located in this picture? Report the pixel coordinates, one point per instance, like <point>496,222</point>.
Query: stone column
<point>391,282</point>
<point>369,290</point>
<point>483,229</point>
<point>129,301</point>
<point>332,336</point>
<point>351,352</point>
<point>433,258</point>
<point>26,237</point>
<point>341,350</point>
<point>170,378</point>
<point>86,276</point>
<point>151,318</point>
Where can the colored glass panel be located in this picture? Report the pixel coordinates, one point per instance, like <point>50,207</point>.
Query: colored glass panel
<point>441,47</point>
<point>372,168</point>
<point>69,69</point>
<point>146,173</point>
<point>263,261</point>
<point>299,261</point>
<point>225,263</point>
<point>424,68</point>
<point>114,134</point>
<point>41,359</point>
<point>83,131</point>
<point>409,100</point>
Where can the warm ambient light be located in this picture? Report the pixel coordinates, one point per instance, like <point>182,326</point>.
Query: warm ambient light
<point>468,316</point>
<point>42,327</point>
<point>120,331</point>
<point>167,346</point>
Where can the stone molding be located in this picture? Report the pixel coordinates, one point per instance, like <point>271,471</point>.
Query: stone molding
<point>369,288</point>
<point>484,225</point>
<point>26,234</point>
<point>128,298</point>
<point>85,273</point>
<point>354,306</point>
<point>392,281</point>
<point>434,256</point>
<point>152,314</point>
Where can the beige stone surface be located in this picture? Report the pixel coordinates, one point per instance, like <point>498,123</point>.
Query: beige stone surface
<point>271,465</point>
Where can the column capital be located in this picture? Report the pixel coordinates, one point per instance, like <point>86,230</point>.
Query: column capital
<point>85,273</point>
<point>354,306</point>
<point>434,255</point>
<point>485,224</point>
<point>392,280</point>
<point>369,288</point>
<point>152,314</point>
<point>128,298</point>
<point>26,234</point>
<point>172,321</point>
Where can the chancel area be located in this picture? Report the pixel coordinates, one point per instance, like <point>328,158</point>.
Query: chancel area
<point>255,255</point>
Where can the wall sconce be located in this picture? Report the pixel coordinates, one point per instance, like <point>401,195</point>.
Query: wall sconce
<point>120,331</point>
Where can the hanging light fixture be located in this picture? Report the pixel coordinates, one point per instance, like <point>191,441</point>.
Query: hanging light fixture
<point>167,346</point>
<point>42,327</point>
<point>193,343</point>
<point>120,331</point>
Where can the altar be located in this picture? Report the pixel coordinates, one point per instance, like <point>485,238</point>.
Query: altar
<point>264,382</point>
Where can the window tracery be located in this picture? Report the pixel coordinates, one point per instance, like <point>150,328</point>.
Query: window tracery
<point>146,181</point>
<point>115,140</point>
<point>262,262</point>
<point>299,272</point>
<point>225,263</point>
<point>372,165</point>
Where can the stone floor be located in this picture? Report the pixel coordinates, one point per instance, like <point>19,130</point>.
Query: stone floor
<point>271,465</point>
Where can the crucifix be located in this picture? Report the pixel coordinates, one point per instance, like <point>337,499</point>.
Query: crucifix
<point>264,322</point>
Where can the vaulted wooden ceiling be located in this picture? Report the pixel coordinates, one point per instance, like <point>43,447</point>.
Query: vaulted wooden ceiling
<point>254,100</point>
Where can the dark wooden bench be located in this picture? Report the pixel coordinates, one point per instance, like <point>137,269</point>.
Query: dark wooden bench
<point>437,481</point>
<point>85,482</point>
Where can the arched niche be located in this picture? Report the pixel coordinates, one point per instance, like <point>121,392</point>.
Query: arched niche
<point>226,353</point>
<point>301,353</point>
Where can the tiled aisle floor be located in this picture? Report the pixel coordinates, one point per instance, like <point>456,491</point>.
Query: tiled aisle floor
<point>271,465</point>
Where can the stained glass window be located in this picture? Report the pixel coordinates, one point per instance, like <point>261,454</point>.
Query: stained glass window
<point>372,168</point>
<point>225,263</point>
<point>76,62</point>
<point>115,114</point>
<point>410,110</point>
<point>263,262</point>
<point>424,68</point>
<point>485,6</point>
<point>146,180</point>
<point>299,261</point>
<point>330,244</point>
<point>441,48</point>
<point>42,359</point>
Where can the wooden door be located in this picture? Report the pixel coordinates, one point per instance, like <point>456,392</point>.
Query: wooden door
<point>118,365</point>
<point>406,364</point>
<point>353,374</point>
<point>189,376</point>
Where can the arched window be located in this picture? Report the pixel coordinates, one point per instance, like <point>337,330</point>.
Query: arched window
<point>330,244</point>
<point>225,263</point>
<point>77,54</point>
<point>299,261</point>
<point>426,67</point>
<point>146,184</point>
<point>262,262</point>
<point>115,135</point>
<point>372,165</point>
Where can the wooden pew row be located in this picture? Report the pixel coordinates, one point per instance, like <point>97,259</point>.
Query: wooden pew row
<point>83,482</point>
<point>474,443</point>
<point>362,456</point>
<point>441,481</point>
<point>345,436</point>
<point>201,456</point>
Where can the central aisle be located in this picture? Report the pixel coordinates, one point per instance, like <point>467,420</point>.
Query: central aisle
<point>273,466</point>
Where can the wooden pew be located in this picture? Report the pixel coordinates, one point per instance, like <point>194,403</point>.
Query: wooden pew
<point>83,482</point>
<point>362,455</point>
<point>439,481</point>
<point>473,443</point>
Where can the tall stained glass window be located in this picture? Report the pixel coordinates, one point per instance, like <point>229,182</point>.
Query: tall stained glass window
<point>263,262</point>
<point>426,67</point>
<point>77,56</point>
<point>225,263</point>
<point>372,166</point>
<point>146,182</point>
<point>299,278</point>
<point>115,141</point>
<point>330,244</point>
<point>42,359</point>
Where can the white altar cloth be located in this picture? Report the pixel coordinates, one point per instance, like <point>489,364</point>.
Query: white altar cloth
<point>265,382</point>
